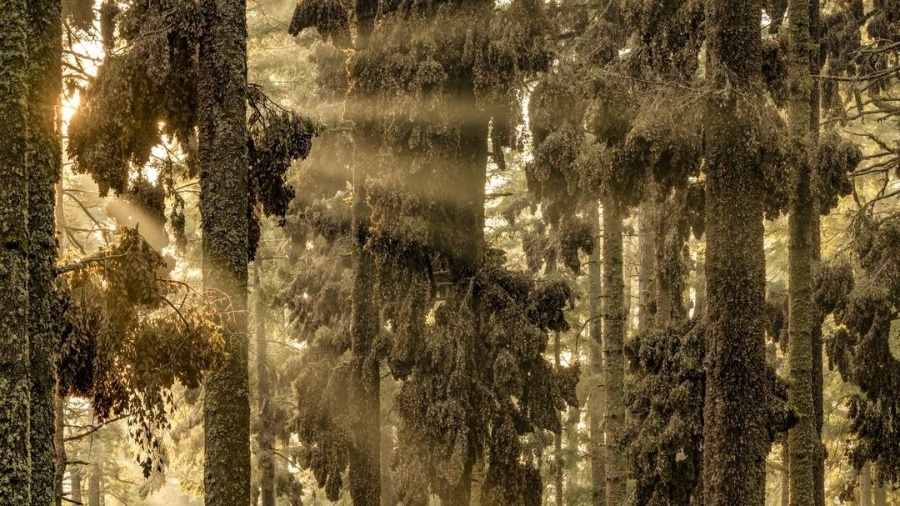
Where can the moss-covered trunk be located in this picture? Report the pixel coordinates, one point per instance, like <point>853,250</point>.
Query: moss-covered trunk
<point>44,163</point>
<point>802,441</point>
<point>735,432</point>
<point>596,399</point>
<point>613,357</point>
<point>15,402</point>
<point>266,436</point>
<point>222,91</point>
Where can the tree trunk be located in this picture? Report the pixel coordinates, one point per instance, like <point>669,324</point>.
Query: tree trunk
<point>557,438</point>
<point>222,91</point>
<point>75,484</point>
<point>60,446</point>
<point>735,432</point>
<point>15,402</point>
<point>365,461</point>
<point>613,358</point>
<point>646,267</point>
<point>596,401</point>
<point>265,436</point>
<point>865,486</point>
<point>94,478</point>
<point>43,166</point>
<point>387,486</point>
<point>880,495</point>
<point>802,441</point>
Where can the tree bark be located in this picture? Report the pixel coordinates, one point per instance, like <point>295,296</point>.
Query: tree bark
<point>94,479</point>
<point>557,438</point>
<point>880,495</point>
<point>222,92</point>
<point>266,437</point>
<point>646,247</point>
<point>735,432</point>
<point>596,401</point>
<point>15,402</point>
<point>613,358</point>
<point>43,167</point>
<point>60,447</point>
<point>75,485</point>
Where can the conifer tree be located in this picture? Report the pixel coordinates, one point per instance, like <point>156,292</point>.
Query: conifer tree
<point>15,401</point>
<point>44,167</point>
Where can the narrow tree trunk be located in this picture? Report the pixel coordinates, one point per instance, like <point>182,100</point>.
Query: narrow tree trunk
<point>646,248</point>
<point>865,486</point>
<point>60,446</point>
<point>880,495</point>
<point>75,484</point>
<point>387,486</point>
<point>44,165</point>
<point>557,438</point>
<point>266,437</point>
<point>94,479</point>
<point>15,401</point>
<point>735,431</point>
<point>365,459</point>
<point>365,462</point>
<point>222,92</point>
<point>596,401</point>
<point>815,68</point>
<point>613,358</point>
<point>785,475</point>
<point>802,442</point>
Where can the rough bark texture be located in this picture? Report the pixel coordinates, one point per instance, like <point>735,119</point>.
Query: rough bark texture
<point>222,91</point>
<point>266,436</point>
<point>865,486</point>
<point>60,465</point>
<point>735,432</point>
<point>596,402</point>
<point>43,166</point>
<point>802,441</point>
<point>15,459</point>
<point>613,358</point>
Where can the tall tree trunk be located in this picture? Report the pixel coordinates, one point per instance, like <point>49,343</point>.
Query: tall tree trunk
<point>43,166</point>
<point>94,483</point>
<point>802,441</point>
<point>735,431</point>
<point>596,401</point>
<point>365,460</point>
<point>865,485</point>
<point>815,68</point>
<point>15,401</point>
<point>387,486</point>
<point>613,358</point>
<point>646,267</point>
<point>266,436</point>
<point>557,438</point>
<point>880,495</point>
<point>75,485</point>
<point>60,446</point>
<point>222,92</point>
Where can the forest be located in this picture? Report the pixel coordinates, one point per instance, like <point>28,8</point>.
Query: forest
<point>450,252</point>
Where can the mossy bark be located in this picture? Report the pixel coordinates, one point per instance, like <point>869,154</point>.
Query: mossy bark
<point>265,436</point>
<point>15,401</point>
<point>803,444</point>
<point>613,357</point>
<point>43,166</point>
<point>735,432</point>
<point>222,92</point>
<point>596,401</point>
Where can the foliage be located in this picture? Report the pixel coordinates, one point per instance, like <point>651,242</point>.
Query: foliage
<point>125,344</point>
